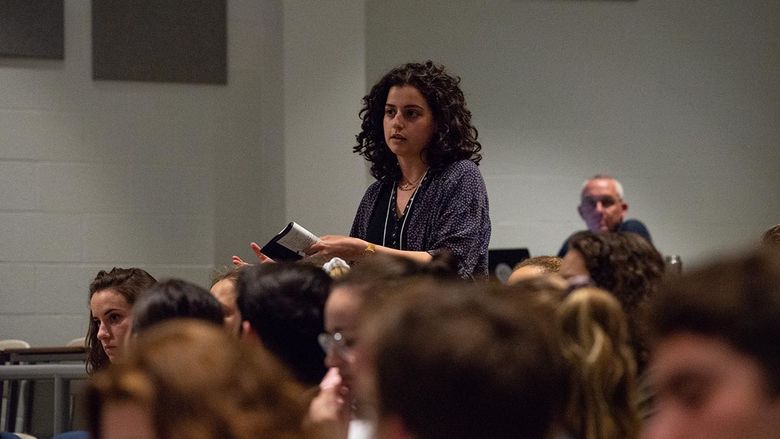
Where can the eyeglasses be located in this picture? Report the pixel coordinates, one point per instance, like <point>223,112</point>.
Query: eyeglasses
<point>590,203</point>
<point>336,342</point>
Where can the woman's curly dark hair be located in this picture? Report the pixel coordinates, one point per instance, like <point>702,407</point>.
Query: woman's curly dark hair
<point>454,138</point>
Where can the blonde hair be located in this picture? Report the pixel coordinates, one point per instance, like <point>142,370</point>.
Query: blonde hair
<point>594,339</point>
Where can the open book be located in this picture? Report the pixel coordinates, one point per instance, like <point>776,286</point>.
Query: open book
<point>288,245</point>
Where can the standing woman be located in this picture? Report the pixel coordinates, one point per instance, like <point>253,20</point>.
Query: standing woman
<point>111,298</point>
<point>429,196</point>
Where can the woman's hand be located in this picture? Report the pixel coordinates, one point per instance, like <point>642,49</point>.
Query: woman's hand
<point>332,246</point>
<point>238,262</point>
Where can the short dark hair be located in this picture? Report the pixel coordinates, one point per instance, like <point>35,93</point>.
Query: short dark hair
<point>454,139</point>
<point>175,298</point>
<point>736,300</point>
<point>129,283</point>
<point>453,361</point>
<point>284,303</point>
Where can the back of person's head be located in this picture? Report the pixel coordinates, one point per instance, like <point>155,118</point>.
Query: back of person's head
<point>453,361</point>
<point>127,282</point>
<point>174,298</point>
<point>735,300</point>
<point>594,339</point>
<point>629,267</point>
<point>382,273</point>
<point>283,304</point>
<point>622,263</point>
<point>537,266</point>
<point>196,381</point>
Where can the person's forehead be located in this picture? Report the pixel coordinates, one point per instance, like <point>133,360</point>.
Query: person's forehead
<point>600,187</point>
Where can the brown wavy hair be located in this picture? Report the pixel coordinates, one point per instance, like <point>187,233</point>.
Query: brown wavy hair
<point>455,138</point>
<point>129,283</point>
<point>199,382</point>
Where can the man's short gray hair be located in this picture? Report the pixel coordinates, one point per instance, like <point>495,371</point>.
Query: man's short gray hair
<point>618,186</point>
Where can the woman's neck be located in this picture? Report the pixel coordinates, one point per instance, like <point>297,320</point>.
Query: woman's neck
<point>411,170</point>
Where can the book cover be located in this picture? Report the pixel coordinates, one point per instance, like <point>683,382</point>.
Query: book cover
<point>288,245</point>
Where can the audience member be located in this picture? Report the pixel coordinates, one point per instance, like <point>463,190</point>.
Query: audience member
<point>771,237</point>
<point>534,267</point>
<point>282,307</point>
<point>111,298</point>
<point>429,195</point>
<point>715,363</point>
<point>452,361</point>
<point>624,264</point>
<point>336,403</point>
<point>223,287</point>
<point>603,208</point>
<point>174,298</point>
<point>190,380</point>
<point>594,338</point>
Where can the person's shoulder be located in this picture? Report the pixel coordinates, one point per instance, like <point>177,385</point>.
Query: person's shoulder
<point>632,225</point>
<point>636,226</point>
<point>459,170</point>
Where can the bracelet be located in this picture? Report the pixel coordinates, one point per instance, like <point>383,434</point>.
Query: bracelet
<point>370,249</point>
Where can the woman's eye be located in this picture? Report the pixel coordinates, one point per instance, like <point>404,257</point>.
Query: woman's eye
<point>411,114</point>
<point>114,318</point>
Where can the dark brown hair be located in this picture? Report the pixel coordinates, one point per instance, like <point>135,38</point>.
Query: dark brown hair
<point>454,361</point>
<point>454,139</point>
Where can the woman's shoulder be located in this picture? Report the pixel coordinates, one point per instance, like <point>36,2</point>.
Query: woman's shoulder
<point>462,171</point>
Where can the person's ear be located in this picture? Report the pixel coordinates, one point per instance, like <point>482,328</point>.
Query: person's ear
<point>248,334</point>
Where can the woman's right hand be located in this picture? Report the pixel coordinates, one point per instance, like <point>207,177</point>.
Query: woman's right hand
<point>238,262</point>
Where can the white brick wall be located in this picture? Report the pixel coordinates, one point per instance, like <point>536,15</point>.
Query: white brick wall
<point>96,174</point>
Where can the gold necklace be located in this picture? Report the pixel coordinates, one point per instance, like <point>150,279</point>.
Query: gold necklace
<point>406,187</point>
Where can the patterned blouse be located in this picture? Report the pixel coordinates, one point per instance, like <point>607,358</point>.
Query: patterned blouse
<point>448,211</point>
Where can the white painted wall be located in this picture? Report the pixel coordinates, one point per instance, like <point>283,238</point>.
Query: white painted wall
<point>170,177</point>
<point>678,99</point>
<point>324,81</point>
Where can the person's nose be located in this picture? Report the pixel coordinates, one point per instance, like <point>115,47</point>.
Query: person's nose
<point>600,208</point>
<point>397,122</point>
<point>103,333</point>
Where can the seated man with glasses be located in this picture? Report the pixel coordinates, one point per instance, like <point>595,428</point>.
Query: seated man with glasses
<point>603,209</point>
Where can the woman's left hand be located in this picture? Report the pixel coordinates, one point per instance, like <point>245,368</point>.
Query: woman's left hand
<point>332,246</point>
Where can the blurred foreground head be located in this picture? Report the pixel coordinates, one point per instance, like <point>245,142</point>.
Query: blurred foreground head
<point>189,379</point>
<point>716,360</point>
<point>454,360</point>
